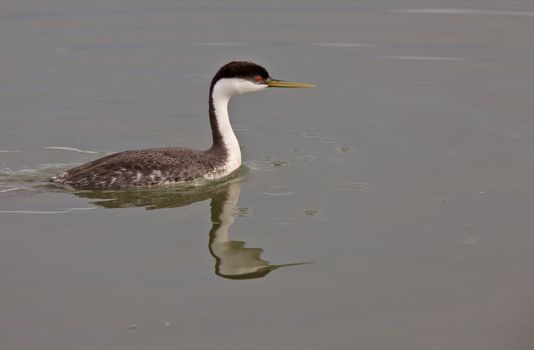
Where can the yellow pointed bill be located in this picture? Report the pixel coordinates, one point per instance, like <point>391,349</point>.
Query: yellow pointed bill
<point>288,84</point>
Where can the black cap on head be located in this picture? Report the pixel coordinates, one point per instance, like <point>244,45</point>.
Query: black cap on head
<point>241,69</point>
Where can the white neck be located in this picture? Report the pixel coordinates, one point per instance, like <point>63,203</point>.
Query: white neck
<point>223,90</point>
<point>220,105</point>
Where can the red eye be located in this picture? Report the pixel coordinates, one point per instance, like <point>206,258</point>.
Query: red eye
<point>259,79</point>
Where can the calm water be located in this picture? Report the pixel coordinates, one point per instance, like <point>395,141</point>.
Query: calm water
<point>391,207</point>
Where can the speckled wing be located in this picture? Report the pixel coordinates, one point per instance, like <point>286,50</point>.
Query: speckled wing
<point>141,168</point>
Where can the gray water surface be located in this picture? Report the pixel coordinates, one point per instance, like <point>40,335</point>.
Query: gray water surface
<point>388,208</point>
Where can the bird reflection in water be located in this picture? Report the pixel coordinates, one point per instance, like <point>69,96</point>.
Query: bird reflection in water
<point>232,259</point>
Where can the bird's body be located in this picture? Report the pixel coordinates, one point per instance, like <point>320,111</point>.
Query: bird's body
<point>146,168</point>
<point>165,166</point>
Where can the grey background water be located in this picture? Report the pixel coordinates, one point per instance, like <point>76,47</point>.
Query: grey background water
<point>405,176</point>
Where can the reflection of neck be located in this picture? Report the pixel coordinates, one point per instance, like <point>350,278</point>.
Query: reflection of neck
<point>232,259</point>
<point>222,213</point>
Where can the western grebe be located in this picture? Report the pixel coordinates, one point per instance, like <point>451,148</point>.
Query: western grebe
<point>172,165</point>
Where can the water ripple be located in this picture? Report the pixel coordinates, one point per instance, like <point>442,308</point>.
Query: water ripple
<point>314,134</point>
<point>310,212</point>
<point>425,58</point>
<point>221,43</point>
<point>342,44</point>
<point>306,159</point>
<point>61,148</point>
<point>278,190</point>
<point>327,140</point>
<point>242,212</point>
<point>456,11</point>
<point>266,164</point>
<point>27,178</point>
<point>345,149</point>
<point>9,189</point>
<point>46,212</point>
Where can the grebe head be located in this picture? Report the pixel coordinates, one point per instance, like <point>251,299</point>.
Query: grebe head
<point>239,77</point>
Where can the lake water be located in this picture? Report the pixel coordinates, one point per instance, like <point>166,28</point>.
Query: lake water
<point>391,207</point>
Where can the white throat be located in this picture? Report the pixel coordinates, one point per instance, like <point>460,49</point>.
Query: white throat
<point>223,90</point>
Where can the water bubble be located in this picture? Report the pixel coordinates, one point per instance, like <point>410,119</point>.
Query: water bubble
<point>344,149</point>
<point>310,212</point>
<point>278,163</point>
